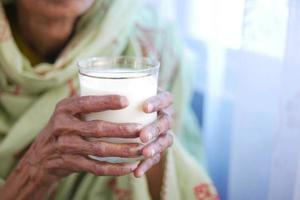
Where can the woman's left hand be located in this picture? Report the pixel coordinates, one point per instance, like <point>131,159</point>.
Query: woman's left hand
<point>160,129</point>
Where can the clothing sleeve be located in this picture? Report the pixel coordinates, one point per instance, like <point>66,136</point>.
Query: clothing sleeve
<point>184,176</point>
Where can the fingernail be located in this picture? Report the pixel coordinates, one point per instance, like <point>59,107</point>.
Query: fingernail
<point>147,135</point>
<point>141,173</point>
<point>150,107</point>
<point>123,101</point>
<point>150,152</point>
<point>137,175</point>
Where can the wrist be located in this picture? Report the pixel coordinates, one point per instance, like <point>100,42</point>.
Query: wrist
<point>32,164</point>
<point>155,177</point>
<point>27,181</point>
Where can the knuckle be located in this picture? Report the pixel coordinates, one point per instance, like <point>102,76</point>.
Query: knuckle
<point>100,126</point>
<point>128,128</point>
<point>59,123</point>
<point>62,105</point>
<point>125,128</point>
<point>159,145</point>
<point>96,125</point>
<point>65,159</point>
<point>111,100</point>
<point>62,144</point>
<point>121,128</point>
<point>90,128</point>
<point>157,129</point>
<point>81,101</point>
<point>100,149</point>
<point>114,99</point>
<point>162,143</point>
<point>126,151</point>
<point>100,170</point>
<point>54,165</point>
<point>167,121</point>
<point>120,100</point>
<point>155,102</point>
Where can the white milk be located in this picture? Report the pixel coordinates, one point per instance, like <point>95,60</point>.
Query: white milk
<point>137,87</point>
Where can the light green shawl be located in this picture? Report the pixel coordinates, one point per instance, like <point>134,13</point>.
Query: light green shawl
<point>29,93</point>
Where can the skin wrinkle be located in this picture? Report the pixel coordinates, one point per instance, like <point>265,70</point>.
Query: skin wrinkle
<point>50,168</point>
<point>49,159</point>
<point>102,149</point>
<point>94,148</point>
<point>153,130</point>
<point>161,101</point>
<point>23,178</point>
<point>92,104</point>
<point>157,128</point>
<point>74,144</point>
<point>145,165</point>
<point>163,142</point>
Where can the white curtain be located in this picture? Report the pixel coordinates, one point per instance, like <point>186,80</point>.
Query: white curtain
<point>250,81</point>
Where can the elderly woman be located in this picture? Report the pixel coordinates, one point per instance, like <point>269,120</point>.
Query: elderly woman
<point>43,153</point>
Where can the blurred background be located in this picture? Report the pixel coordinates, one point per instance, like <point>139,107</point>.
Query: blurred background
<point>247,94</point>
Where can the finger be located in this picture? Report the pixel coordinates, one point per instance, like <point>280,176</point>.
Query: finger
<point>98,128</point>
<point>77,163</point>
<point>158,102</point>
<point>163,124</point>
<point>167,111</point>
<point>88,104</point>
<point>158,146</point>
<point>146,165</point>
<point>76,145</point>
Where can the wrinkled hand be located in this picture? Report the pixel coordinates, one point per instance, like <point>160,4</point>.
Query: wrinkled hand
<point>160,129</point>
<point>61,148</point>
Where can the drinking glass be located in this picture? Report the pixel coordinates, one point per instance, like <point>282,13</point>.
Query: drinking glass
<point>133,77</point>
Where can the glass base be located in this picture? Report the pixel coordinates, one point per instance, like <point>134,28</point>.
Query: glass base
<point>116,159</point>
<point>116,141</point>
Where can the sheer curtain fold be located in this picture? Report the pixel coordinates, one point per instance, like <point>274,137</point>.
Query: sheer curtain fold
<point>250,83</point>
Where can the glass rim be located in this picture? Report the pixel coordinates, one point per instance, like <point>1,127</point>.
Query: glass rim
<point>151,65</point>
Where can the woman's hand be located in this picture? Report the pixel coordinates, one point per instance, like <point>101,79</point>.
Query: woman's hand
<point>160,130</point>
<point>60,149</point>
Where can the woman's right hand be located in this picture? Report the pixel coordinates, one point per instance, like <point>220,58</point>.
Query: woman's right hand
<point>61,149</point>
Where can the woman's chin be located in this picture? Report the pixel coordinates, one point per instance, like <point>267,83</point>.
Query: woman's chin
<point>57,8</point>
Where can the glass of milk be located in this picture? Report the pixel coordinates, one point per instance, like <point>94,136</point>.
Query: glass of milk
<point>133,77</point>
